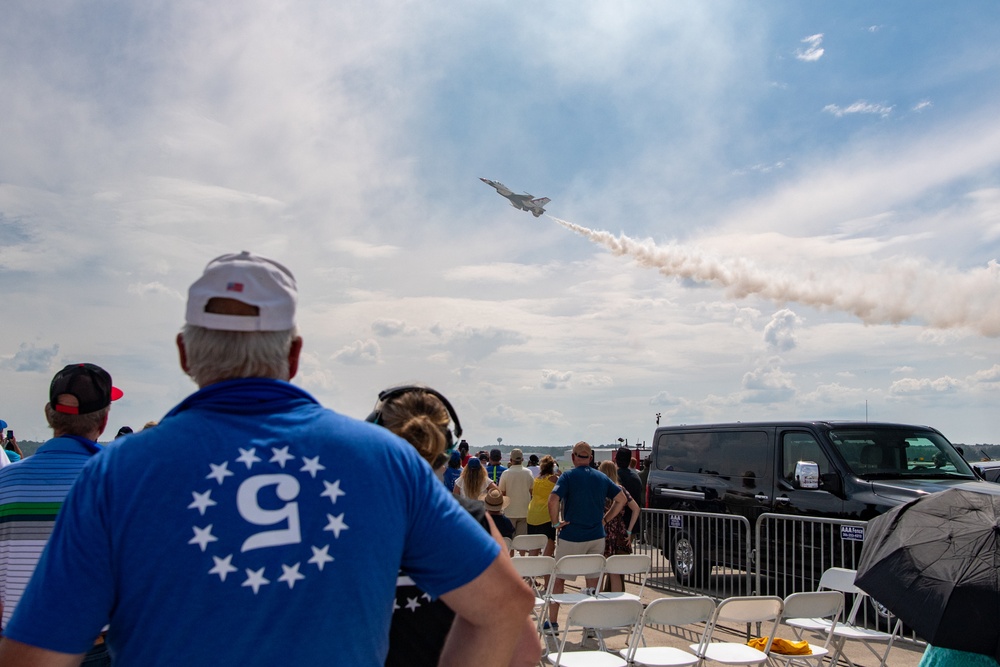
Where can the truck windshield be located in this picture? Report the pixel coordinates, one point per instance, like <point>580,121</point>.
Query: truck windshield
<point>899,453</point>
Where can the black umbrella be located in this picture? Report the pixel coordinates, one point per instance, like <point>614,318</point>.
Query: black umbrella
<point>934,563</point>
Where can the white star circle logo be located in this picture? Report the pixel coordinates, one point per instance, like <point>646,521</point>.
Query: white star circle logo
<point>271,528</point>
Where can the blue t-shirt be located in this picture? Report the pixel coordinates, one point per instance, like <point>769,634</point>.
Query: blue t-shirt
<point>494,472</point>
<point>450,476</point>
<point>238,532</point>
<point>583,490</point>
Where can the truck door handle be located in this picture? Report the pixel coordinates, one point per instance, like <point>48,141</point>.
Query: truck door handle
<point>761,498</point>
<point>782,500</point>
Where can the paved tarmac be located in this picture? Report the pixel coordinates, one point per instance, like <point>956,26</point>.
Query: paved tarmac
<point>902,654</point>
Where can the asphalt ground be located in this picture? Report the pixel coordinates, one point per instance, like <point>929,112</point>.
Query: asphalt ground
<point>902,654</point>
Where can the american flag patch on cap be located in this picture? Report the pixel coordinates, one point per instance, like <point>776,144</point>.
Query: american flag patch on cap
<point>234,287</point>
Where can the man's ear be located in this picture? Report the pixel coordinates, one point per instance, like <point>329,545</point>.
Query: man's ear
<point>293,357</point>
<point>182,353</point>
<point>104,424</point>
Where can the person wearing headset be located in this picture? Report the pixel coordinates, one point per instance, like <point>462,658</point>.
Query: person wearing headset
<point>421,625</point>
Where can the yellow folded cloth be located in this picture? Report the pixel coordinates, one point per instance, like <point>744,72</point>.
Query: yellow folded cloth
<point>782,646</point>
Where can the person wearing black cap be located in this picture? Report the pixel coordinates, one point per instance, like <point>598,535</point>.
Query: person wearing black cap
<point>494,469</point>
<point>629,479</point>
<point>240,531</point>
<point>80,397</point>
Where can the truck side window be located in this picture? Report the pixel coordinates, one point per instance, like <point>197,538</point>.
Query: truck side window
<point>795,447</point>
<point>730,454</point>
<point>742,454</point>
<point>683,452</point>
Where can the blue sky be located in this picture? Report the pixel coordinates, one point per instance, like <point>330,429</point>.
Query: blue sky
<point>759,211</point>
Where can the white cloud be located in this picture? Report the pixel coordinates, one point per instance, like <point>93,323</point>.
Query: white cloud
<point>363,250</point>
<point>360,352</point>
<point>155,287</point>
<point>553,379</point>
<point>767,384</point>
<point>923,104</point>
<point>595,380</point>
<point>779,333</point>
<point>859,107</point>
<point>499,272</point>
<point>986,376</point>
<point>390,327</point>
<point>30,358</point>
<point>813,50</point>
<point>922,386</point>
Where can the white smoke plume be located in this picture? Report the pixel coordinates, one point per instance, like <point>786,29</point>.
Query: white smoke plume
<point>889,294</point>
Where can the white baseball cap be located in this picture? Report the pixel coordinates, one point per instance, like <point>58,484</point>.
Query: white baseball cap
<point>250,279</point>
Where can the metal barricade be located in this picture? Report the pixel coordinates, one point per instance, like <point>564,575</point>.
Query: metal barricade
<point>697,552</point>
<point>792,552</point>
<point>719,555</point>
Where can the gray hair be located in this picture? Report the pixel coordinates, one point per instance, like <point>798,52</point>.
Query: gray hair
<point>84,426</point>
<point>214,356</point>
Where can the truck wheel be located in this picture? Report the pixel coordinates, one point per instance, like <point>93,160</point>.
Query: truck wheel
<point>689,566</point>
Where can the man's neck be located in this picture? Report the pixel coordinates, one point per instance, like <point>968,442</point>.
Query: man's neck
<point>89,436</point>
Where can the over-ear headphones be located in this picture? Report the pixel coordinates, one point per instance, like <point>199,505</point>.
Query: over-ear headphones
<point>387,395</point>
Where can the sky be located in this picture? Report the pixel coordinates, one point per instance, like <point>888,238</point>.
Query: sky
<point>759,211</point>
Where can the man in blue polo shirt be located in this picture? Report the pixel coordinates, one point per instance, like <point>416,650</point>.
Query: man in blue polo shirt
<point>236,532</point>
<point>582,491</point>
<point>32,492</point>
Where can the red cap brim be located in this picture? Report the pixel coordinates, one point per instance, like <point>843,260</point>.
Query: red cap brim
<point>116,393</point>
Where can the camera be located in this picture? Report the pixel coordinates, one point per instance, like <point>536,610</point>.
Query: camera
<point>10,434</point>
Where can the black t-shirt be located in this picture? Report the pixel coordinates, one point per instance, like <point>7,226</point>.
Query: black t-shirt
<point>630,480</point>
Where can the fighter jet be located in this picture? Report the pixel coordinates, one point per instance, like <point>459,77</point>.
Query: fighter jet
<point>523,202</point>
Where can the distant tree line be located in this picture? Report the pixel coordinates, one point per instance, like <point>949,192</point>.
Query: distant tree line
<point>975,452</point>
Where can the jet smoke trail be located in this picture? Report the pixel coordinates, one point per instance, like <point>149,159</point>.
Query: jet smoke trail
<point>894,293</point>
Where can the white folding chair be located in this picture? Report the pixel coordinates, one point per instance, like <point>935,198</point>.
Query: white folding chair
<point>528,542</point>
<point>531,567</point>
<point>626,564</point>
<point>674,613</point>
<point>765,610</point>
<point>824,607</point>
<point>507,541</point>
<point>601,615</point>
<point>842,580</point>
<point>571,567</point>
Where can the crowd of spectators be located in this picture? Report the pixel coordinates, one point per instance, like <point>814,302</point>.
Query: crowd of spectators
<point>238,531</point>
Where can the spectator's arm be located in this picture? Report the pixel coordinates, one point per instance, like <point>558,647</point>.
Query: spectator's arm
<point>554,501</point>
<point>616,507</point>
<point>491,620</point>
<point>634,507</point>
<point>12,445</point>
<point>16,654</point>
<point>528,650</point>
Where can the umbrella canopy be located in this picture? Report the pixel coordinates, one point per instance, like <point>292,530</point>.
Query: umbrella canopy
<point>935,563</point>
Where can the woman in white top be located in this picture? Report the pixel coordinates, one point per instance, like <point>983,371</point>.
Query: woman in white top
<point>473,482</point>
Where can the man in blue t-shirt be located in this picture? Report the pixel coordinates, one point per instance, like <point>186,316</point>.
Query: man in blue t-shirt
<point>582,491</point>
<point>236,531</point>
